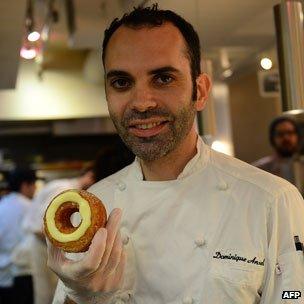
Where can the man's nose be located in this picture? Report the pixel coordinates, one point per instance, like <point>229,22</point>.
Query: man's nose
<point>143,99</point>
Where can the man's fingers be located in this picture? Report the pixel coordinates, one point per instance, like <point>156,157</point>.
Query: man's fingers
<point>120,269</point>
<point>56,258</point>
<point>115,281</point>
<point>65,267</point>
<point>112,228</point>
<point>91,261</point>
<point>115,255</point>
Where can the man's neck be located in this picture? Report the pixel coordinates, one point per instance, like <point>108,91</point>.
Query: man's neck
<point>170,166</point>
<point>281,157</point>
<point>23,195</point>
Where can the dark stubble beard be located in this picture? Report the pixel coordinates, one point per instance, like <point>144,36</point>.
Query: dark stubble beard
<point>154,147</point>
<point>286,151</point>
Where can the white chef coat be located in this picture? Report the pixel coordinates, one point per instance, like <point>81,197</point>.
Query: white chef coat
<point>45,280</point>
<point>13,207</point>
<point>221,233</point>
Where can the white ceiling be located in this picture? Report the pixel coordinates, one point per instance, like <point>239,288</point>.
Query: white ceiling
<point>237,23</point>
<point>243,28</point>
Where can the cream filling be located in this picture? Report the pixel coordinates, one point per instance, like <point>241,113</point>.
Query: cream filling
<point>84,210</point>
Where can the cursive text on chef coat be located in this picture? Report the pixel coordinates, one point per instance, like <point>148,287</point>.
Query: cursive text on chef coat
<point>235,257</point>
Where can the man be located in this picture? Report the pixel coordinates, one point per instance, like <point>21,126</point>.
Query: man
<point>284,137</point>
<point>15,280</point>
<point>196,226</point>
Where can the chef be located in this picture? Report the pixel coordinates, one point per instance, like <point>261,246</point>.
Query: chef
<point>187,224</point>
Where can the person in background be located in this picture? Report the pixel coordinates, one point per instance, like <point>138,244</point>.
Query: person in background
<point>44,280</point>
<point>108,161</point>
<point>284,136</point>
<point>15,280</point>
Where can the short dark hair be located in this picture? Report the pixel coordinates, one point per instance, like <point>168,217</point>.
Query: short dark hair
<point>152,17</point>
<point>276,122</point>
<point>19,176</point>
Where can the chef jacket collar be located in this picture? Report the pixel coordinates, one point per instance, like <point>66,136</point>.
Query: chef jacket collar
<point>198,162</point>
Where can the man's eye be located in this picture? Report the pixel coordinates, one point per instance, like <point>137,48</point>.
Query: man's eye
<point>120,83</point>
<point>163,79</point>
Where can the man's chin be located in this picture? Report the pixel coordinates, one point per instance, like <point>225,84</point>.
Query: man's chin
<point>149,149</point>
<point>286,153</point>
<point>149,153</point>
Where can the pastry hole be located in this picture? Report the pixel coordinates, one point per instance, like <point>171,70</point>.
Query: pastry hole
<point>63,217</point>
<point>75,219</point>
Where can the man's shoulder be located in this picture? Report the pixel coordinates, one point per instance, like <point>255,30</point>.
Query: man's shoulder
<point>63,182</point>
<point>245,174</point>
<point>264,162</point>
<point>13,204</point>
<point>52,188</point>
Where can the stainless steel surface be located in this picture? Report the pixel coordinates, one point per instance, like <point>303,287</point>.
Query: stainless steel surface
<point>11,31</point>
<point>299,173</point>
<point>290,36</point>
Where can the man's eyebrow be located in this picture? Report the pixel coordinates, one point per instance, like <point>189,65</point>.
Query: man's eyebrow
<point>121,73</point>
<point>165,69</point>
<point>116,73</point>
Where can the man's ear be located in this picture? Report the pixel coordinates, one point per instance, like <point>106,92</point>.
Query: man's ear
<point>203,87</point>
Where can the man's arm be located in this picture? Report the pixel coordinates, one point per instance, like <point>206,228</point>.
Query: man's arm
<point>98,276</point>
<point>62,297</point>
<point>285,264</point>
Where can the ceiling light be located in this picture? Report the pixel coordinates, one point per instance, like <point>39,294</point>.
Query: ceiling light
<point>28,53</point>
<point>224,58</point>
<point>294,112</point>
<point>266,63</point>
<point>227,73</point>
<point>33,36</point>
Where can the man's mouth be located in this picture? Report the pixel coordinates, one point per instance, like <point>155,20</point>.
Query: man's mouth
<point>147,128</point>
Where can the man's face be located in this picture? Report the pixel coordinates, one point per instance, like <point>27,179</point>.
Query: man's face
<point>149,89</point>
<point>87,180</point>
<point>286,139</point>
<point>28,189</point>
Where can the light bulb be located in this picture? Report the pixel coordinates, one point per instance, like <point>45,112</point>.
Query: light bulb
<point>266,63</point>
<point>227,73</point>
<point>28,53</point>
<point>33,36</point>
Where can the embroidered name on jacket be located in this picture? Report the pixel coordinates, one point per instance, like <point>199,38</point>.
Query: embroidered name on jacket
<point>237,258</point>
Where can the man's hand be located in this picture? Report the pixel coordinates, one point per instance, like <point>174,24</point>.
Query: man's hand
<point>100,270</point>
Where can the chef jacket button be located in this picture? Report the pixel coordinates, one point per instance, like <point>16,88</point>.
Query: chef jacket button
<point>278,269</point>
<point>187,300</point>
<point>122,186</point>
<point>199,242</point>
<point>125,297</point>
<point>124,236</point>
<point>222,186</point>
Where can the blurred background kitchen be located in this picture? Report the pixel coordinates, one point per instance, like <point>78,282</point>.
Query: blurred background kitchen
<point>53,111</point>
